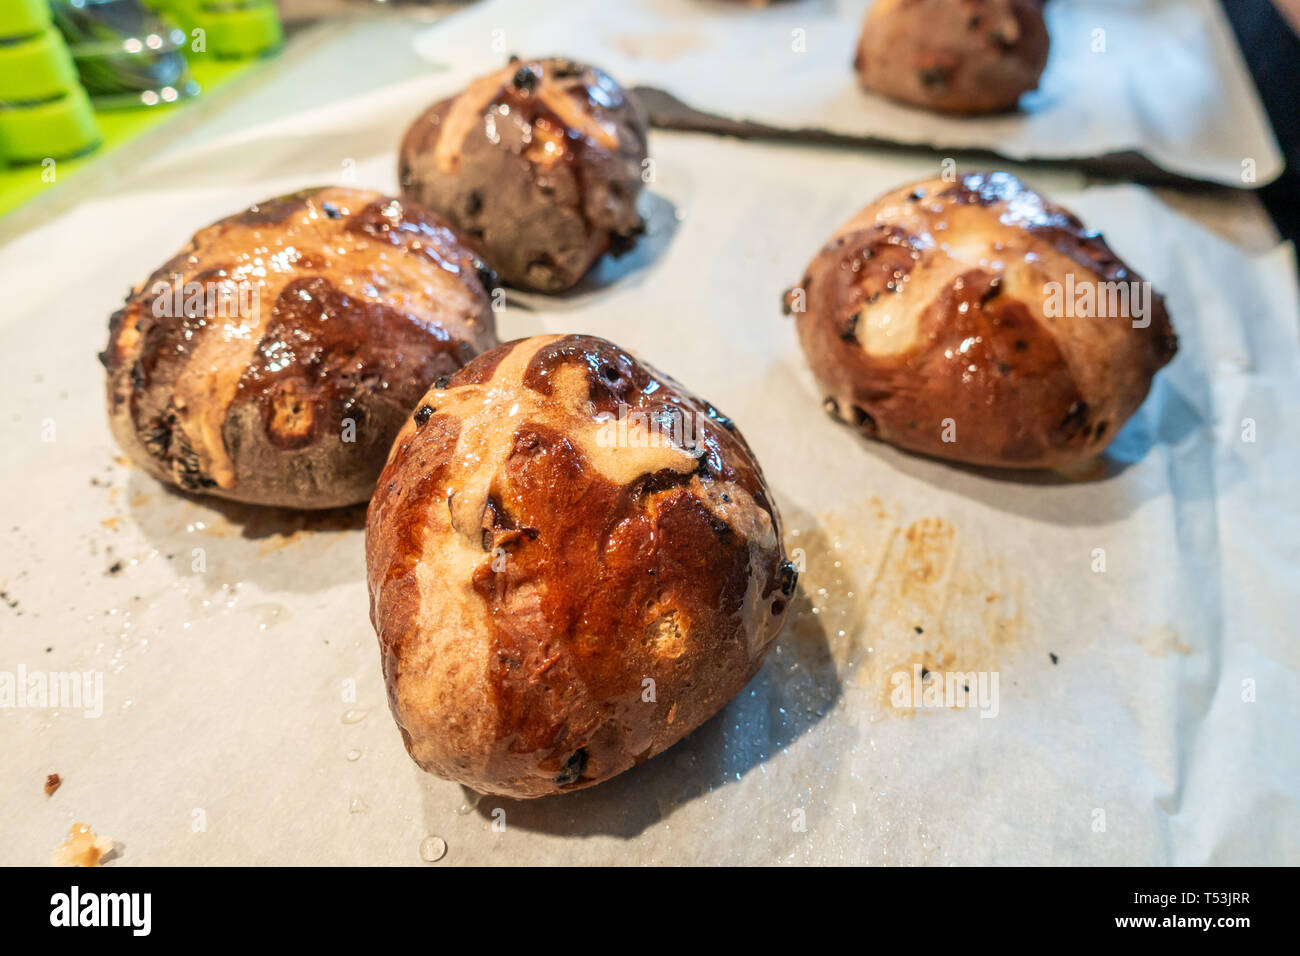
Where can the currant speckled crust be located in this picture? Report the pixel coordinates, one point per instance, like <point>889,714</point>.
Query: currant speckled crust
<point>554,603</point>
<point>953,56</point>
<point>275,357</point>
<point>539,165</point>
<point>928,323</point>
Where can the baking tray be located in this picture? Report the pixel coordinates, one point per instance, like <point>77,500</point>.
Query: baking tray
<point>1145,713</point>
<point>1149,89</point>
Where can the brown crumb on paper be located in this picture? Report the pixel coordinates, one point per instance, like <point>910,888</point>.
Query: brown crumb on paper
<point>890,598</point>
<point>663,47</point>
<point>82,847</point>
<point>52,783</point>
<point>1162,641</point>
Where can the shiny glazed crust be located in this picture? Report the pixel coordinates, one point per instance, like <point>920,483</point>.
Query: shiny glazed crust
<point>556,602</point>
<point>539,165</point>
<point>953,56</point>
<point>340,307</point>
<point>926,317</point>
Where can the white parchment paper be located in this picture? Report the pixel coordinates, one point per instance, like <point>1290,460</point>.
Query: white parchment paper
<point>1160,77</point>
<point>243,715</point>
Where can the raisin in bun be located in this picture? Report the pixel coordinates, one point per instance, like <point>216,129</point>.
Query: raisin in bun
<point>573,562</point>
<point>538,164</point>
<point>948,318</point>
<point>273,359</point>
<point>953,56</point>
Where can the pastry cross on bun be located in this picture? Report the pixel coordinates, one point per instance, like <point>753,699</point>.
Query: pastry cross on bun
<point>976,321</point>
<point>273,359</point>
<point>953,56</point>
<point>538,164</point>
<point>573,563</point>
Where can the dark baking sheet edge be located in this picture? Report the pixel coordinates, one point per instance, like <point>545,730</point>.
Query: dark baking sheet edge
<point>668,112</point>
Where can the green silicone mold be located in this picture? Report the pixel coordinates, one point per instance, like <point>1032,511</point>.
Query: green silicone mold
<point>23,18</point>
<point>38,68</point>
<point>57,129</point>
<point>234,29</point>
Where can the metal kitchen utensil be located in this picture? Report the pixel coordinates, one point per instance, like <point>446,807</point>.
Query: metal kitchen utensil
<point>126,54</point>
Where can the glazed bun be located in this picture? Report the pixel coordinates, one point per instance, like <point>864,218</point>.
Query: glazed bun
<point>273,359</point>
<point>976,321</point>
<point>538,164</point>
<point>573,562</point>
<point>953,56</point>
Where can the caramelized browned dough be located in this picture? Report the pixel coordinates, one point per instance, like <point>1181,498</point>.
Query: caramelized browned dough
<point>290,391</point>
<point>953,56</point>
<point>554,606</point>
<point>539,165</point>
<point>926,316</point>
